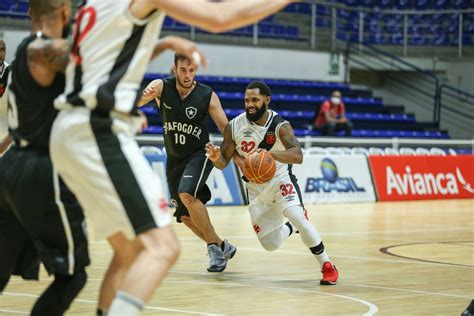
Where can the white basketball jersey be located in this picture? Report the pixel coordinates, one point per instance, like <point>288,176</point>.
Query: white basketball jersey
<point>248,136</point>
<point>110,54</point>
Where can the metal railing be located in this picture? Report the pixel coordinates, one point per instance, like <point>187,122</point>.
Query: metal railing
<point>375,59</point>
<point>457,104</point>
<point>402,32</point>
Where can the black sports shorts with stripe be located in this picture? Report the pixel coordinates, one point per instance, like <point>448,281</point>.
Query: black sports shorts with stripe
<point>188,175</point>
<point>19,256</point>
<point>46,209</point>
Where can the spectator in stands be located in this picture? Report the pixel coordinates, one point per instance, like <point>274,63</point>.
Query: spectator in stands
<point>4,67</point>
<point>331,117</point>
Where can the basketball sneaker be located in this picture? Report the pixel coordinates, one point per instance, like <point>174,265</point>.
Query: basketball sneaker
<point>229,250</point>
<point>217,260</point>
<point>330,274</point>
<point>469,310</point>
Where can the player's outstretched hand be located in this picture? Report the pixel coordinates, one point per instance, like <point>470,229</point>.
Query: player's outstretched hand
<point>149,92</point>
<point>213,152</point>
<point>188,49</point>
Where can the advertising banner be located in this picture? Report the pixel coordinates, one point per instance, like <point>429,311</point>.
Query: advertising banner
<point>423,177</point>
<point>224,184</point>
<point>334,179</point>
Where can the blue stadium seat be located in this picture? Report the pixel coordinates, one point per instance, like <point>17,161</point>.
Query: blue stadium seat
<point>440,40</point>
<point>462,4</point>
<point>402,4</point>
<point>6,5</point>
<point>441,4</point>
<point>422,4</point>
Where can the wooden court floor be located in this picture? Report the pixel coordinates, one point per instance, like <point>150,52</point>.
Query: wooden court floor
<point>404,258</point>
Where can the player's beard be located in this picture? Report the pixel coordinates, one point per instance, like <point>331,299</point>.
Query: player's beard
<point>183,85</point>
<point>258,113</point>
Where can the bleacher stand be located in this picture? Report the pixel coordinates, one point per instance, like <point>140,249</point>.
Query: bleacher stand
<point>296,100</point>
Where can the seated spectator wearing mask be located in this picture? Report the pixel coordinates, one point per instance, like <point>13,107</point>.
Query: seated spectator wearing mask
<point>332,116</point>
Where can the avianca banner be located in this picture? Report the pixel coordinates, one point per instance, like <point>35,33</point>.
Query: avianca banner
<point>423,177</point>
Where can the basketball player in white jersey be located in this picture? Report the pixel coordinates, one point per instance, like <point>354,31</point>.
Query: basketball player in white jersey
<point>92,140</point>
<point>271,203</point>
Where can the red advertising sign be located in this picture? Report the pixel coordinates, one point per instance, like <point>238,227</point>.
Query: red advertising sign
<point>423,177</point>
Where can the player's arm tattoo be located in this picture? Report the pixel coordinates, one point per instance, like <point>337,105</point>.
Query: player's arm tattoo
<point>53,53</point>
<point>293,153</point>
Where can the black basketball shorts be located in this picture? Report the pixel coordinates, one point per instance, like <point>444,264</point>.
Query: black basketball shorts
<point>188,175</point>
<point>46,209</point>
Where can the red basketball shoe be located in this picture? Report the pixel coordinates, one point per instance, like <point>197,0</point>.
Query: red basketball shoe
<point>330,274</point>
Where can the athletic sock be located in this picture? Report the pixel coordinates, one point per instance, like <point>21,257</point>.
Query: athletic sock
<point>320,254</point>
<point>125,304</point>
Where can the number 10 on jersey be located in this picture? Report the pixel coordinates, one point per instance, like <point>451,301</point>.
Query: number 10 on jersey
<point>179,139</point>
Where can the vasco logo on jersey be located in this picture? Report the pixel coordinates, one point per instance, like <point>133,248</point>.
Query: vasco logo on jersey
<point>331,182</point>
<point>270,138</point>
<point>191,112</point>
<point>248,134</point>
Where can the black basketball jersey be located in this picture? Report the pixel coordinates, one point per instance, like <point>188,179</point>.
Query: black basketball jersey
<point>185,125</point>
<point>31,106</point>
<point>4,71</point>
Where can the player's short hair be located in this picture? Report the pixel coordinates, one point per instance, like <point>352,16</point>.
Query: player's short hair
<point>264,89</point>
<point>178,57</point>
<point>45,7</point>
<point>2,41</point>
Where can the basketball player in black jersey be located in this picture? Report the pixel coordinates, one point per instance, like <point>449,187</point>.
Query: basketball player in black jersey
<point>19,254</point>
<point>47,210</point>
<point>185,105</point>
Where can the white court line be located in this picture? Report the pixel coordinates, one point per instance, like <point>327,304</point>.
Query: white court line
<point>95,302</point>
<point>398,231</point>
<point>346,233</point>
<point>386,260</point>
<point>259,276</point>
<point>408,290</point>
<point>13,312</point>
<point>373,309</point>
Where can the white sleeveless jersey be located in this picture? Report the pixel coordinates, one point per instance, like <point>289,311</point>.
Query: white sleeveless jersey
<point>111,52</point>
<point>248,136</point>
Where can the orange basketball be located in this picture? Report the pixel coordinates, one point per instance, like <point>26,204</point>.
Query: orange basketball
<point>259,167</point>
